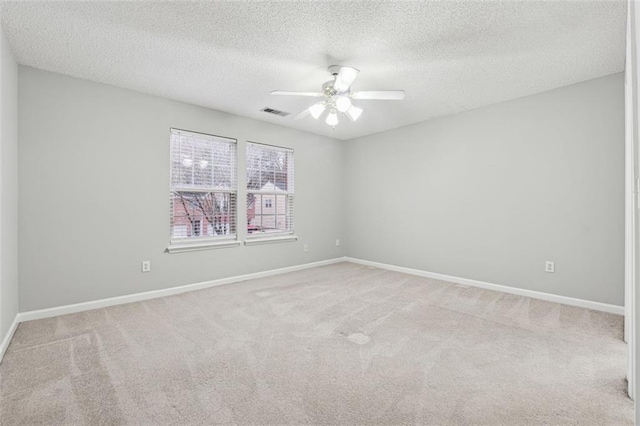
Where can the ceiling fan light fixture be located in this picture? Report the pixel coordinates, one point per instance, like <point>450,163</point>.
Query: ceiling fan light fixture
<point>332,118</point>
<point>354,113</point>
<point>317,110</point>
<point>337,96</point>
<point>343,103</point>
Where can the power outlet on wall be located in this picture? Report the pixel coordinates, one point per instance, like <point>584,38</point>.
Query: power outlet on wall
<point>305,248</point>
<point>146,266</point>
<point>337,243</point>
<point>549,266</point>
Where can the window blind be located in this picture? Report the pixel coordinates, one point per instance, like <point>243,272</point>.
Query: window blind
<point>270,189</point>
<point>203,188</point>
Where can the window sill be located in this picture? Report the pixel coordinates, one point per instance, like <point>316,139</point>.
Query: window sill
<point>268,240</point>
<point>201,245</point>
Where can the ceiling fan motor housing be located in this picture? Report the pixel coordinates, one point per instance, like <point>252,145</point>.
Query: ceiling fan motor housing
<point>328,90</point>
<point>334,69</point>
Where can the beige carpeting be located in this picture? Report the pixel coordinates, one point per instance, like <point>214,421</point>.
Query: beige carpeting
<point>340,344</point>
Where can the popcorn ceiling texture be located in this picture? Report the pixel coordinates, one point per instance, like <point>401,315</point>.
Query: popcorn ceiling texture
<point>448,56</point>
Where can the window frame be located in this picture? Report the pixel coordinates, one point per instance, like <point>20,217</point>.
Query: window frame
<point>289,194</point>
<point>204,241</point>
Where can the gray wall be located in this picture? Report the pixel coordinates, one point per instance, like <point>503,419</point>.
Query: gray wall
<point>8,186</point>
<point>94,192</point>
<point>493,193</point>
<point>489,194</point>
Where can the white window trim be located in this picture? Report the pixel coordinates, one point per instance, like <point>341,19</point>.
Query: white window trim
<point>203,244</point>
<point>279,238</point>
<point>181,245</point>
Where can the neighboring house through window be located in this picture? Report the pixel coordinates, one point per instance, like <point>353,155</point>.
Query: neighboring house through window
<point>197,227</point>
<point>269,190</point>
<point>203,188</point>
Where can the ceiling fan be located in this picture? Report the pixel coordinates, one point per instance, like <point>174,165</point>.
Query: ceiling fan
<point>337,96</point>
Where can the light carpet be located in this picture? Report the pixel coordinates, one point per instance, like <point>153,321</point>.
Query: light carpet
<point>339,344</point>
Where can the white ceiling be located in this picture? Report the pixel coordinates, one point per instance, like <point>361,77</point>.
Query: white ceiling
<point>449,56</point>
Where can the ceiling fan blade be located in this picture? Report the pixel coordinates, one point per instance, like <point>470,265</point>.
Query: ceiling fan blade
<point>345,77</point>
<point>285,93</point>
<point>314,110</point>
<point>302,115</point>
<point>384,95</point>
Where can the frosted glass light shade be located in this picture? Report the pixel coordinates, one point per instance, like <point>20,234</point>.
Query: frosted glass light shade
<point>332,118</point>
<point>343,103</point>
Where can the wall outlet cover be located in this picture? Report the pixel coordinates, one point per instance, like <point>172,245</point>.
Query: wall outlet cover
<point>549,266</point>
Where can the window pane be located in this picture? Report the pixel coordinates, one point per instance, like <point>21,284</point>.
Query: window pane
<point>196,214</point>
<point>281,203</point>
<point>253,220</point>
<point>181,161</point>
<point>268,180</point>
<point>222,177</point>
<point>194,159</point>
<point>179,231</point>
<point>267,166</point>
<point>269,160</point>
<point>280,180</point>
<point>268,222</point>
<point>253,179</point>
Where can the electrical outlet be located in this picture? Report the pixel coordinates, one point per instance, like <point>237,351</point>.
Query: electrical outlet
<point>549,266</point>
<point>146,266</point>
<point>306,248</point>
<point>337,243</point>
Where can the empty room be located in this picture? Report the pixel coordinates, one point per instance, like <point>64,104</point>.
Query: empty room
<point>319,212</point>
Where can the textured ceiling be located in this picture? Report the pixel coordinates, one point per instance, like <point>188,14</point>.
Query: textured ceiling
<point>448,56</point>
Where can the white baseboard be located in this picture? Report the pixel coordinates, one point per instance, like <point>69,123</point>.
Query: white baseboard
<point>597,306</point>
<point>102,303</point>
<point>7,337</point>
<point>137,297</point>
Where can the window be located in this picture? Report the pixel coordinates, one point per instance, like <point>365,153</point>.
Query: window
<point>203,188</point>
<point>269,190</point>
